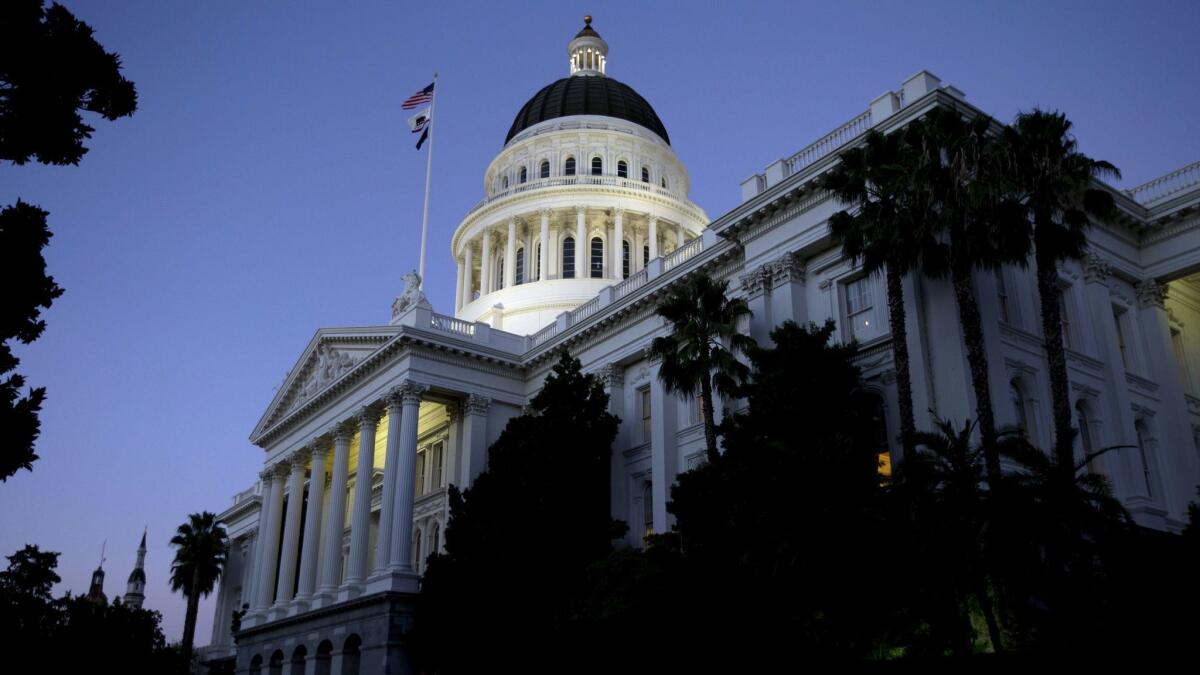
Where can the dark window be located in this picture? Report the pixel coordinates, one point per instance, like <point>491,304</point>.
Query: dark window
<point>568,258</point>
<point>664,182</point>
<point>645,175</point>
<point>597,258</point>
<point>524,174</point>
<point>622,169</point>
<point>504,183</point>
<point>520,266</point>
<point>645,255</point>
<point>544,172</point>
<point>537,261</point>
<point>597,166</point>
<point>624,260</point>
<point>569,168</point>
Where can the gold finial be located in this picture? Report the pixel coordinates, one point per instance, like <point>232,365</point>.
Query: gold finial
<point>587,20</point>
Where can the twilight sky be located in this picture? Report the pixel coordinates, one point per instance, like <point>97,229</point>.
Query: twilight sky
<point>267,186</point>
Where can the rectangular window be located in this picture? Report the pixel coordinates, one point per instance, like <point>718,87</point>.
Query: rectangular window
<point>420,486</point>
<point>1181,358</point>
<point>435,482</point>
<point>860,309</point>
<point>1119,321</point>
<point>1002,295</point>
<point>644,400</point>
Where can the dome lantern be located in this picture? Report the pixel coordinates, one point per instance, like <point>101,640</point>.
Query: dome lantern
<point>588,51</point>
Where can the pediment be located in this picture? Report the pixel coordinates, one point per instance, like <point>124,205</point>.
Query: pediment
<point>329,356</point>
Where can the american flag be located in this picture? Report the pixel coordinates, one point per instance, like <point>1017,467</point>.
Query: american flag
<point>420,98</point>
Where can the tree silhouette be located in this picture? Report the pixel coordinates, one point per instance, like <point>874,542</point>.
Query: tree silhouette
<point>201,549</point>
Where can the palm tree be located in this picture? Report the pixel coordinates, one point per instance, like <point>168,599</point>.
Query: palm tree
<point>950,513</point>
<point>700,354</point>
<point>985,228</point>
<point>201,548</point>
<point>1056,184</point>
<point>888,229</point>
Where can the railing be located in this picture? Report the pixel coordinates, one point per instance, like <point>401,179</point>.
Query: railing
<point>543,335</point>
<point>248,493</point>
<point>829,143</point>
<point>681,254</point>
<point>1165,186</point>
<point>630,285</point>
<point>450,324</point>
<point>585,310</point>
<point>560,181</point>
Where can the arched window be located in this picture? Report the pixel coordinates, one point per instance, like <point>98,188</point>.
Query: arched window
<point>323,657</point>
<point>524,174</point>
<point>435,538</point>
<point>647,509</point>
<point>256,665</point>
<point>645,174</point>
<point>622,169</point>
<point>275,665</point>
<point>298,656</point>
<point>597,166</point>
<point>624,259</point>
<point>569,167</point>
<point>568,258</point>
<point>520,265</point>
<point>597,258</point>
<point>416,550</point>
<point>504,183</point>
<point>544,170</point>
<point>1085,437</point>
<point>663,180</point>
<point>351,655</point>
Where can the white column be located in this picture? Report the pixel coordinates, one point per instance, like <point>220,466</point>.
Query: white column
<point>510,255</point>
<point>458,287</point>
<point>270,539</point>
<point>582,246</point>
<point>291,530</point>
<point>613,378</point>
<point>485,265</point>
<point>360,523</point>
<point>335,524</point>
<point>544,257</point>
<point>402,520</point>
<point>664,461</point>
<point>618,246</point>
<point>391,469</point>
<point>468,274</point>
<point>474,435</point>
<point>679,236</point>
<point>310,547</point>
<point>653,243</point>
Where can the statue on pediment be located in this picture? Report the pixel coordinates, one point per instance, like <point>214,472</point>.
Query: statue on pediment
<point>411,296</point>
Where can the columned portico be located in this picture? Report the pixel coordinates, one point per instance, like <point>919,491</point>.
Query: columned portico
<point>360,523</point>
<point>269,543</point>
<point>291,533</point>
<point>335,524</point>
<point>310,547</point>
<point>400,551</point>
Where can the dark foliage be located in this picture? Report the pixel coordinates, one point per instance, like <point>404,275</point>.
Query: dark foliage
<point>519,541</point>
<point>39,633</point>
<point>27,291</point>
<point>201,547</point>
<point>51,69</point>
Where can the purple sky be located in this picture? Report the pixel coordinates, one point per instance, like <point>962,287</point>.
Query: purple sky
<point>267,186</point>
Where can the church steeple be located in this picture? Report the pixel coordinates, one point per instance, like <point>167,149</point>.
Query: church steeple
<point>135,590</point>
<point>96,590</point>
<point>588,51</point>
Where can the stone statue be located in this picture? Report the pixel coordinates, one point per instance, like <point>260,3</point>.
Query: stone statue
<point>411,296</point>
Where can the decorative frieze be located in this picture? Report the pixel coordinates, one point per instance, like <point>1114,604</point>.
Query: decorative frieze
<point>477,405</point>
<point>330,365</point>
<point>757,281</point>
<point>789,267</point>
<point>1151,293</point>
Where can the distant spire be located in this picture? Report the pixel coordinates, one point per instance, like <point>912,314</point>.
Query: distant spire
<point>96,590</point>
<point>135,588</point>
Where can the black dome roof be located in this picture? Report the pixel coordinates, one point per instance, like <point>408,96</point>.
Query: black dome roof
<point>587,95</point>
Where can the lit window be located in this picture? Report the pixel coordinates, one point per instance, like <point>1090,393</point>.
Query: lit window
<point>568,258</point>
<point>569,168</point>
<point>622,169</point>
<point>435,481</point>
<point>597,258</point>
<point>597,166</point>
<point>879,430</point>
<point>1002,295</point>
<point>524,174</point>
<point>420,486</point>
<point>624,260</point>
<point>544,171</point>
<point>644,399</point>
<point>645,174</point>
<point>860,309</point>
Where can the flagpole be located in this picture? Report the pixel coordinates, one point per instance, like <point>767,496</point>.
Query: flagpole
<point>428,172</point>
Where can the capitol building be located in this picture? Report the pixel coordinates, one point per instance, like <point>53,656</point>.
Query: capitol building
<point>585,221</point>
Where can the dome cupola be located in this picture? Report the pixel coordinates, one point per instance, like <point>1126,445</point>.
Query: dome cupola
<point>588,51</point>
